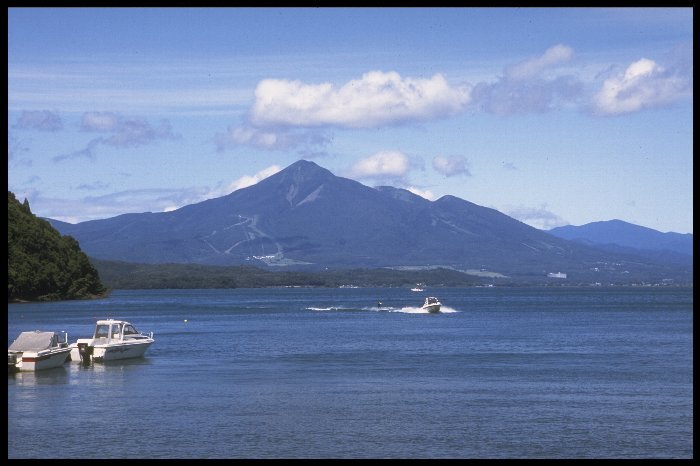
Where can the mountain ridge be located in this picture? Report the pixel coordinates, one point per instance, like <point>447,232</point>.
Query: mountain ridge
<point>626,234</point>
<point>306,217</point>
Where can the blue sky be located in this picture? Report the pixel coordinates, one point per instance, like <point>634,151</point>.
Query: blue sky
<point>553,116</point>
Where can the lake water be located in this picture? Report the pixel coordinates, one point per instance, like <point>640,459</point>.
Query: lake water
<point>325,373</point>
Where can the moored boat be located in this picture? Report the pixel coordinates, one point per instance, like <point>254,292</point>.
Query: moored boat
<point>431,304</point>
<point>111,341</point>
<point>37,350</point>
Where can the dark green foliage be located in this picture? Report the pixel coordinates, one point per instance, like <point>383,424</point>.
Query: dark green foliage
<point>123,275</point>
<point>42,265</point>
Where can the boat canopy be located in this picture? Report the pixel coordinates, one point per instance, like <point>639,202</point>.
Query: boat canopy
<point>34,341</point>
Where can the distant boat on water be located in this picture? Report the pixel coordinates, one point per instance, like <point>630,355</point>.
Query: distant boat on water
<point>431,305</point>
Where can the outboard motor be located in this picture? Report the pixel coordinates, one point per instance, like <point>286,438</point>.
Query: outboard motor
<point>12,359</point>
<point>85,352</point>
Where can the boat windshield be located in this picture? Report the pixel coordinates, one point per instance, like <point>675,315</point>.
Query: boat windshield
<point>116,329</point>
<point>102,331</point>
<point>130,330</point>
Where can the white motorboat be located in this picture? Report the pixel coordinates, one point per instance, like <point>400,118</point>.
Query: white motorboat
<point>112,340</point>
<point>431,304</point>
<point>37,350</point>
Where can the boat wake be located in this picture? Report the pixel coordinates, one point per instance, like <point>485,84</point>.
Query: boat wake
<point>404,310</point>
<point>343,308</point>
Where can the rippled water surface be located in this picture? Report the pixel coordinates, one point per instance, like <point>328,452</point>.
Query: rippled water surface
<point>326,373</point>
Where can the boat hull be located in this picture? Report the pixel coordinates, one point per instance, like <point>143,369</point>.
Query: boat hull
<point>30,361</point>
<point>120,351</point>
<point>433,309</point>
<point>83,350</point>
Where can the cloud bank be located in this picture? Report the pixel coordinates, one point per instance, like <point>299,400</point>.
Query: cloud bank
<point>376,99</point>
<point>125,132</point>
<point>136,200</point>
<point>122,132</point>
<point>284,110</point>
<point>532,86</point>
<point>271,139</point>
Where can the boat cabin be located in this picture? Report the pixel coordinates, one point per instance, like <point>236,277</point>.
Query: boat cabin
<point>431,300</point>
<point>114,329</point>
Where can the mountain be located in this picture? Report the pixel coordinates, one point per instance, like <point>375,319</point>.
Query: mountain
<point>306,217</point>
<point>616,235</point>
<point>41,264</point>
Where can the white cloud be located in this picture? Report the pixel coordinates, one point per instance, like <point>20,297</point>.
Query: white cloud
<point>451,165</point>
<point>392,164</point>
<point>248,180</point>
<point>532,68</point>
<point>99,121</point>
<point>424,193</point>
<point>643,84</point>
<point>376,99</point>
<point>240,183</point>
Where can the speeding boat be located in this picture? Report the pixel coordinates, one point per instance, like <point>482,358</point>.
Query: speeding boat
<point>112,340</point>
<point>37,350</point>
<point>431,305</point>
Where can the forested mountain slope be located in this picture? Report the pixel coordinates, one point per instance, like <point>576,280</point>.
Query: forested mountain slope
<point>42,265</point>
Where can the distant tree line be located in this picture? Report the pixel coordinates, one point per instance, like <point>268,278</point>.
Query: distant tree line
<point>42,265</point>
<point>125,275</point>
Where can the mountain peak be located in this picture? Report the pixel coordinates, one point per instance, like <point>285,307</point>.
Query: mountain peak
<point>306,168</point>
<point>299,183</point>
<point>301,172</point>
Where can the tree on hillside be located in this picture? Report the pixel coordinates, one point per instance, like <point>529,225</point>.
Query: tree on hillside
<point>42,265</point>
